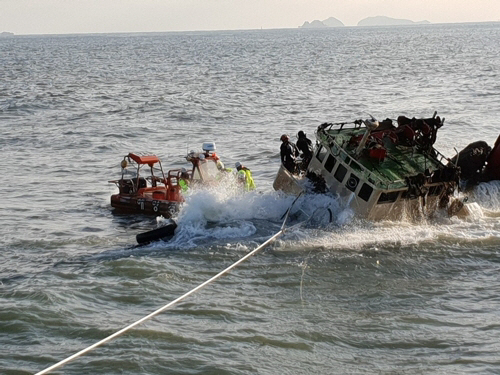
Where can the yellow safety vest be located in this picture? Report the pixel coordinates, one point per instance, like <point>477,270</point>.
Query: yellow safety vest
<point>249,182</point>
<point>184,185</point>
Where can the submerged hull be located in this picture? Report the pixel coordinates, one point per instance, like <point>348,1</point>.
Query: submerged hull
<point>478,163</point>
<point>492,170</point>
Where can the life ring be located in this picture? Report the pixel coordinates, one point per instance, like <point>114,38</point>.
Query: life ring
<point>352,183</point>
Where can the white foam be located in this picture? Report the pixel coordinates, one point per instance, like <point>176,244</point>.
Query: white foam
<point>487,195</point>
<point>229,213</point>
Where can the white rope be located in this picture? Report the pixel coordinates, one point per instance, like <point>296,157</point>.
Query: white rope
<point>160,310</point>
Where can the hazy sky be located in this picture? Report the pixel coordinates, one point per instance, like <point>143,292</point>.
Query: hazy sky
<point>97,16</point>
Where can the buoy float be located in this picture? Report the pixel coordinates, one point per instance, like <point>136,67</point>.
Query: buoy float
<point>157,234</point>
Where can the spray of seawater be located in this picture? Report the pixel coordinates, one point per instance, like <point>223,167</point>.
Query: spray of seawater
<point>228,216</point>
<point>487,195</point>
<point>226,212</point>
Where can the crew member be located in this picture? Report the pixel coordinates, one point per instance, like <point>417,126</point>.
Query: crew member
<point>222,168</point>
<point>289,153</point>
<point>184,180</point>
<point>304,144</point>
<point>245,175</point>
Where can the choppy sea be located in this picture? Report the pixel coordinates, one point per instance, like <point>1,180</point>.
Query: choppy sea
<point>351,297</point>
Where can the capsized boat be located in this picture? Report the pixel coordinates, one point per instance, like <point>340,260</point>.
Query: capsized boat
<point>478,163</point>
<point>381,170</point>
<point>145,188</point>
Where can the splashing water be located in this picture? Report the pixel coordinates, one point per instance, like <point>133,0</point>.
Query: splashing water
<point>487,195</point>
<point>227,213</point>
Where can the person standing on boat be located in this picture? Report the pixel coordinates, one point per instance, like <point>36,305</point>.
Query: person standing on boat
<point>245,175</point>
<point>289,153</point>
<point>304,144</point>
<point>184,180</point>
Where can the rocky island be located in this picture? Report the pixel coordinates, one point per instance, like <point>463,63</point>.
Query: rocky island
<point>369,21</point>
<point>387,21</point>
<point>329,22</point>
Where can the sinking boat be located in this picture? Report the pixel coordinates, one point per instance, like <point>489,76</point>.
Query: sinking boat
<point>380,170</point>
<point>478,162</point>
<point>145,188</point>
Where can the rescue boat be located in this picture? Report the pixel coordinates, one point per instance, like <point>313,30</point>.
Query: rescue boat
<point>145,188</point>
<point>380,170</point>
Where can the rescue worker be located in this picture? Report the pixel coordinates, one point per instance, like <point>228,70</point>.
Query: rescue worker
<point>304,144</point>
<point>245,175</point>
<point>289,153</point>
<point>223,172</point>
<point>184,180</point>
<point>222,168</point>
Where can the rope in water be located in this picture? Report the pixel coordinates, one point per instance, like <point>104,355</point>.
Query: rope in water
<point>160,310</point>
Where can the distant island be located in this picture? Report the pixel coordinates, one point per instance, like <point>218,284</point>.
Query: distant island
<point>6,34</point>
<point>387,21</point>
<point>369,21</point>
<point>329,22</point>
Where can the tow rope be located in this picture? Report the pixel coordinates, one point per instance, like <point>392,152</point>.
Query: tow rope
<point>174,302</point>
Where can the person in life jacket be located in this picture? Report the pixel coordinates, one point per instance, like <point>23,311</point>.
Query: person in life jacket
<point>222,168</point>
<point>288,153</point>
<point>245,175</point>
<point>184,180</point>
<point>304,144</point>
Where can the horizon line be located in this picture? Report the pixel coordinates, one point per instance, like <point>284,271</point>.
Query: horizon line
<point>415,24</point>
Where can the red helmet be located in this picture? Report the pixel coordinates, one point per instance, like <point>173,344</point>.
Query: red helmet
<point>284,137</point>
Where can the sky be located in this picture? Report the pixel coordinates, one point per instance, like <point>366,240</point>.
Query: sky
<point>107,16</point>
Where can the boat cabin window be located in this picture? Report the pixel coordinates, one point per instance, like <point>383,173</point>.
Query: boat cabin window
<point>355,165</point>
<point>320,155</point>
<point>365,192</point>
<point>340,173</point>
<point>330,163</point>
<point>352,182</point>
<point>408,196</point>
<point>388,197</point>
<point>211,168</point>
<point>207,169</point>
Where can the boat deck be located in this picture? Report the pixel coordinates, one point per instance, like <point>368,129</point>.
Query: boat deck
<point>399,162</point>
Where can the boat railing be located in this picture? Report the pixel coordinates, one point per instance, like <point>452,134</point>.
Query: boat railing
<point>348,159</point>
<point>440,157</point>
<point>339,151</point>
<point>373,178</point>
<point>355,125</point>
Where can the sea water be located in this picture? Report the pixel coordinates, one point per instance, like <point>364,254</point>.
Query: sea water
<point>350,296</point>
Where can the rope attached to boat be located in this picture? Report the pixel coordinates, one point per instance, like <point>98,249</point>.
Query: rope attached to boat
<point>167,306</point>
